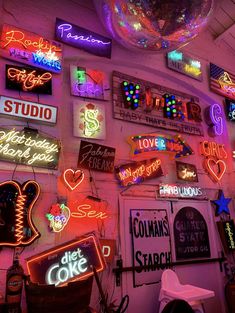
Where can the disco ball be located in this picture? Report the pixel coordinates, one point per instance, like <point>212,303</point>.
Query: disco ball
<point>154,25</point>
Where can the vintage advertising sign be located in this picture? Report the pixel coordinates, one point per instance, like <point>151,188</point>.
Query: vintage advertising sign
<point>25,47</point>
<point>215,120</point>
<point>214,163</point>
<point>28,110</point>
<point>96,157</point>
<point>151,244</point>
<point>227,234</point>
<point>186,172</point>
<point>222,82</point>
<point>148,143</point>
<point>184,64</point>
<point>89,120</point>
<point>191,235</point>
<point>230,108</point>
<point>82,38</point>
<point>28,79</point>
<point>89,83</point>
<point>136,173</point>
<point>69,262</point>
<point>178,191</point>
<point>16,205</point>
<point>28,147</point>
<point>143,102</point>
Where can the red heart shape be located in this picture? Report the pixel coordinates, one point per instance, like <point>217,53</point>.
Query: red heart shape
<point>215,168</point>
<point>73,178</point>
<point>97,76</point>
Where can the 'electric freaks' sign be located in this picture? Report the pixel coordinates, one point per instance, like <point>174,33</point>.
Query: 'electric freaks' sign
<point>70,262</point>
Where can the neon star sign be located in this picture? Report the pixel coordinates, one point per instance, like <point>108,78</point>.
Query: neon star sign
<point>214,163</point>
<point>29,48</point>
<point>147,143</point>
<point>16,205</point>
<point>222,204</point>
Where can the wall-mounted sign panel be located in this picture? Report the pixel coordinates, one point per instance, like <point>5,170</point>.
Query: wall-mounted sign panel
<point>16,204</point>
<point>148,143</point>
<point>191,235</point>
<point>178,191</point>
<point>89,120</point>
<point>28,79</point>
<point>108,247</point>
<point>96,157</point>
<point>227,234</point>
<point>69,262</point>
<point>230,108</point>
<point>28,110</point>
<point>151,244</point>
<point>136,173</point>
<point>143,102</point>
<point>222,82</point>
<point>82,38</point>
<point>89,83</point>
<point>28,147</point>
<point>182,63</point>
<point>186,172</point>
<point>25,47</point>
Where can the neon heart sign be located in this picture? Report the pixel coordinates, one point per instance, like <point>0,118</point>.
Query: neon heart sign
<point>73,178</point>
<point>214,163</point>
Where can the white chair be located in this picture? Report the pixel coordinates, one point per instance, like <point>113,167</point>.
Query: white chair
<point>171,289</point>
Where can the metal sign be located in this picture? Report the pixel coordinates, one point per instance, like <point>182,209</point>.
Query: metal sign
<point>179,191</point>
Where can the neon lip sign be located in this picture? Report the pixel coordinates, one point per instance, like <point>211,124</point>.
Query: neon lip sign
<point>29,48</point>
<point>27,79</point>
<point>154,142</point>
<point>83,39</point>
<point>135,173</point>
<point>68,262</point>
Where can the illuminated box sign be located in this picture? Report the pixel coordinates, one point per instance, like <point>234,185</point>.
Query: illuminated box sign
<point>227,234</point>
<point>186,172</point>
<point>148,143</point>
<point>222,82</point>
<point>28,79</point>
<point>178,191</point>
<point>138,101</point>
<point>182,63</point>
<point>25,47</point>
<point>136,173</point>
<point>96,157</point>
<point>89,83</point>
<point>68,262</point>
<point>28,110</point>
<point>28,147</point>
<point>89,120</point>
<point>82,38</point>
<point>230,106</point>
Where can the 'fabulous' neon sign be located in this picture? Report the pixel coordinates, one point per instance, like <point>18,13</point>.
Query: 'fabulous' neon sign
<point>177,191</point>
<point>68,262</point>
<point>29,48</point>
<point>159,143</point>
<point>83,39</point>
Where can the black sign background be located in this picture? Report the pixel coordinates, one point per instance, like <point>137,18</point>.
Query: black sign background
<point>96,157</point>
<point>13,84</point>
<point>180,167</point>
<point>227,234</point>
<point>191,234</point>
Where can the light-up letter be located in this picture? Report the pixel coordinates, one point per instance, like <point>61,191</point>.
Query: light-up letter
<point>214,119</point>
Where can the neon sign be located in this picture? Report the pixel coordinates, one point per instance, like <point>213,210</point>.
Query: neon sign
<point>89,120</point>
<point>83,39</point>
<point>16,204</point>
<point>28,147</point>
<point>184,64</point>
<point>73,178</point>
<point>227,233</point>
<point>214,163</point>
<point>29,48</point>
<point>135,173</point>
<point>58,217</point>
<point>221,204</point>
<point>159,143</point>
<point>186,172</point>
<point>68,262</point>
<point>130,95</point>
<point>214,119</point>
<point>230,105</point>
<point>173,108</point>
<point>177,191</point>
<point>222,82</point>
<point>27,79</point>
<point>89,83</point>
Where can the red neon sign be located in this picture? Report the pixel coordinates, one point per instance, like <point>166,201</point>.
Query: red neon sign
<point>73,178</point>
